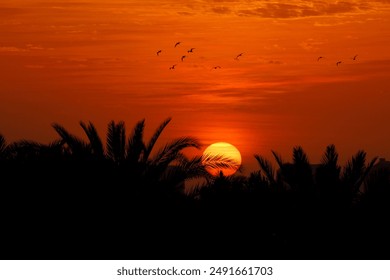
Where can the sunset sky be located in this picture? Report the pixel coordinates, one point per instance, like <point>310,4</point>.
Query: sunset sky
<point>94,60</point>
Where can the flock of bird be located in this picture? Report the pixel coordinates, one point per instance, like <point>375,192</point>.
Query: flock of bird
<point>191,50</point>
<point>338,62</point>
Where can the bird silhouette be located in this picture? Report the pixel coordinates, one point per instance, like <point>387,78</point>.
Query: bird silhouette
<point>172,67</point>
<point>319,58</point>
<point>354,58</point>
<point>182,58</point>
<point>191,50</point>
<point>178,43</point>
<point>216,67</point>
<point>158,52</point>
<point>337,63</point>
<point>239,56</point>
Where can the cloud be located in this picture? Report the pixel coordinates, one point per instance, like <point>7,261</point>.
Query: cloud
<point>27,48</point>
<point>311,44</point>
<point>292,9</point>
<point>12,49</point>
<point>304,9</point>
<point>221,10</point>
<point>34,47</point>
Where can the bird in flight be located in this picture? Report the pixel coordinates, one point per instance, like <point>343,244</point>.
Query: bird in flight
<point>178,43</point>
<point>239,56</point>
<point>319,58</point>
<point>182,58</point>
<point>354,58</point>
<point>172,67</point>
<point>158,52</point>
<point>337,63</point>
<point>216,67</point>
<point>191,50</point>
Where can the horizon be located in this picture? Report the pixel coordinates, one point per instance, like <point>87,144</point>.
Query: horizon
<point>97,61</point>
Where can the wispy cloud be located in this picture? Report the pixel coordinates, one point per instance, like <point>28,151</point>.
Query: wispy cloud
<point>26,48</point>
<point>11,49</point>
<point>292,9</point>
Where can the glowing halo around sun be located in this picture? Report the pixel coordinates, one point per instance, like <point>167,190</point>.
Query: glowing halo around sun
<point>228,152</point>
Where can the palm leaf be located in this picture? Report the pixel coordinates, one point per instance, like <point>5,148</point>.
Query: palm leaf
<point>170,151</point>
<point>363,177</point>
<point>266,167</point>
<point>156,135</point>
<point>278,159</point>
<point>135,144</point>
<point>76,145</point>
<point>330,157</point>
<point>116,141</point>
<point>299,157</point>
<point>191,168</point>
<point>354,168</point>
<point>94,138</point>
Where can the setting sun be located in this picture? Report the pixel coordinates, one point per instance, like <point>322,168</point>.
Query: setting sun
<point>224,152</point>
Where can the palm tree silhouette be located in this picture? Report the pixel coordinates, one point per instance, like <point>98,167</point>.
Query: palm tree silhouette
<point>90,186</point>
<point>267,169</point>
<point>329,168</point>
<point>95,142</point>
<point>133,153</point>
<point>355,172</point>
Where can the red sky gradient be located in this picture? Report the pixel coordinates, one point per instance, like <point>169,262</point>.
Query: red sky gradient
<point>95,60</point>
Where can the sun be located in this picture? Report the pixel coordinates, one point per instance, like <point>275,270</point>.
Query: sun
<point>221,157</point>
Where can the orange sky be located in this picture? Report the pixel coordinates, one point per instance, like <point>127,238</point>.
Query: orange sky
<point>95,60</point>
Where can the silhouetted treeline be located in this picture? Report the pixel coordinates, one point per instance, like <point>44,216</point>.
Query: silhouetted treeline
<point>81,199</point>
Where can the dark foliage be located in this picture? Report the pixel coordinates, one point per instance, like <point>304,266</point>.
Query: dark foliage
<point>79,199</point>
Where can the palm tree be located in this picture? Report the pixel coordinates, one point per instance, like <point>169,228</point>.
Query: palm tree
<point>266,169</point>
<point>303,174</point>
<point>355,172</point>
<point>95,142</point>
<point>133,155</point>
<point>332,195</point>
<point>74,146</point>
<point>296,176</point>
<point>116,142</point>
<point>328,173</point>
<point>169,160</point>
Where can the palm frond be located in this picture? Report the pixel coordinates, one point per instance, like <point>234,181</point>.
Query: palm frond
<point>364,175</point>
<point>299,157</point>
<point>330,157</point>
<point>116,141</point>
<point>278,159</point>
<point>94,138</point>
<point>354,168</point>
<point>219,161</point>
<point>170,151</point>
<point>153,140</point>
<point>76,145</point>
<point>193,167</point>
<point>266,167</point>
<point>135,144</point>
